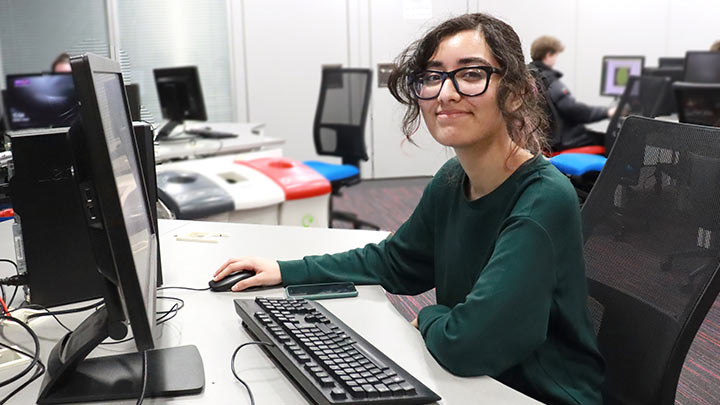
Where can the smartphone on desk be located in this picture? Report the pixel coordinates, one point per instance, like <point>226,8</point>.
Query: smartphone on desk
<point>321,291</point>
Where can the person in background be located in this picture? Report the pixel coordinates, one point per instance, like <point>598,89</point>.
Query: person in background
<point>571,115</point>
<point>715,46</point>
<point>497,231</point>
<point>61,64</point>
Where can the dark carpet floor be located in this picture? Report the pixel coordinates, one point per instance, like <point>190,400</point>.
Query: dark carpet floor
<point>388,203</point>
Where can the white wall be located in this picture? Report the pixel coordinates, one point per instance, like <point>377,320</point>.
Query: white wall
<point>361,33</point>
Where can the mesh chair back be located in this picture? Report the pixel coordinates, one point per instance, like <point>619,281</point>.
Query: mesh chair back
<point>659,191</point>
<point>643,96</point>
<point>339,128</point>
<point>698,103</point>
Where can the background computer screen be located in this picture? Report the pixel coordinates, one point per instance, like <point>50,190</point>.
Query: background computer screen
<point>616,70</point>
<point>117,129</point>
<point>180,94</point>
<point>702,67</point>
<point>40,100</point>
<point>678,62</point>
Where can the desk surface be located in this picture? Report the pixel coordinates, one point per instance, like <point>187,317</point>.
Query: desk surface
<point>209,320</point>
<point>251,136</point>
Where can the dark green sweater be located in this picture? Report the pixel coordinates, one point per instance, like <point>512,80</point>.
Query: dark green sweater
<point>510,279</point>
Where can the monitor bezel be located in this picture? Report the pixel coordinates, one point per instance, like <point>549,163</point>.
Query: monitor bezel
<point>128,285</point>
<point>603,76</point>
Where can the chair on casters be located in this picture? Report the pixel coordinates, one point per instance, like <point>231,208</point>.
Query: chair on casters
<point>644,318</point>
<point>642,96</point>
<point>339,130</point>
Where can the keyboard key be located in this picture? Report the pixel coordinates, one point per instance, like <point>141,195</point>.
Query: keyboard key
<point>383,390</point>
<point>407,388</point>
<point>370,391</point>
<point>338,393</point>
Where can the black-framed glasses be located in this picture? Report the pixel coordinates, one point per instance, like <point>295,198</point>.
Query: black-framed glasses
<point>469,81</point>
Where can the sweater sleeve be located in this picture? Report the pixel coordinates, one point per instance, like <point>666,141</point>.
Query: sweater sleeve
<point>505,316</point>
<point>402,264</point>
<point>573,110</point>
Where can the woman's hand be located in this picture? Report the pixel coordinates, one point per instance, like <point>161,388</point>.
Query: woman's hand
<point>414,323</point>
<point>267,272</point>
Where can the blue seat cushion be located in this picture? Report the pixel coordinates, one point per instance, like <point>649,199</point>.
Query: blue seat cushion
<point>333,172</point>
<point>577,164</point>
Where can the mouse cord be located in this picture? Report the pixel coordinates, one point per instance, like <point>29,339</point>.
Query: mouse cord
<point>141,397</point>
<point>183,288</point>
<point>232,366</point>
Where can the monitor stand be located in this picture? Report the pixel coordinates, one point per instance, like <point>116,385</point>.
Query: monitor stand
<point>71,378</point>
<point>165,131</point>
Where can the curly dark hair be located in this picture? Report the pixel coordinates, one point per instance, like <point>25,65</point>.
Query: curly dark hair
<point>526,124</point>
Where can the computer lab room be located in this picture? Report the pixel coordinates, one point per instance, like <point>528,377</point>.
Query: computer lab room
<point>359,202</point>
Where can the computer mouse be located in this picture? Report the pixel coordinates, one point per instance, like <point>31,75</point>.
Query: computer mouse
<point>229,281</point>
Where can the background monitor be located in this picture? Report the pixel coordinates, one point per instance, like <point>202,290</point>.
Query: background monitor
<point>616,70</point>
<point>698,103</point>
<point>40,100</point>
<point>180,96</point>
<point>675,74</point>
<point>671,62</point>
<point>110,182</point>
<point>702,67</point>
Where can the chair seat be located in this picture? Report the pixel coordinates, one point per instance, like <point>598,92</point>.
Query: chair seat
<point>577,164</point>
<point>333,172</point>
<point>592,150</point>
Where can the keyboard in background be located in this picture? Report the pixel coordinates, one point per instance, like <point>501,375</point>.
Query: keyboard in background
<point>210,133</point>
<point>332,363</point>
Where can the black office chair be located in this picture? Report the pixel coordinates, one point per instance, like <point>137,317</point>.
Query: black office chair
<point>643,96</point>
<point>698,103</point>
<point>645,321</point>
<point>339,130</point>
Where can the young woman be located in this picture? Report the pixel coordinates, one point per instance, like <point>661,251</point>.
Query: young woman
<point>497,230</point>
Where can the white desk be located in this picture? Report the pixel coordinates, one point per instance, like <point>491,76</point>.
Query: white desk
<point>251,136</point>
<point>209,320</point>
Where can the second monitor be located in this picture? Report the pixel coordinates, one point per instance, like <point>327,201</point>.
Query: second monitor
<point>616,70</point>
<point>180,96</point>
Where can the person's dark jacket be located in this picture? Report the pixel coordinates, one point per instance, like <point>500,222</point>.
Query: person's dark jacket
<point>569,116</point>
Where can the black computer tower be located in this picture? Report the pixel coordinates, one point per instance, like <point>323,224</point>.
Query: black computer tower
<point>55,250</point>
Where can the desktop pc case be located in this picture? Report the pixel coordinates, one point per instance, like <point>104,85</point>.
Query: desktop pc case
<point>51,238</point>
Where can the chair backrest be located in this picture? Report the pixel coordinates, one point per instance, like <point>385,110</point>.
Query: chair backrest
<point>643,96</point>
<point>647,202</point>
<point>698,103</point>
<point>339,128</point>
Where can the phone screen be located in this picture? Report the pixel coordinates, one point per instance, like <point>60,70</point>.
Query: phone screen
<point>327,290</point>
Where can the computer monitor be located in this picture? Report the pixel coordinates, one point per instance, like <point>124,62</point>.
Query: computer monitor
<point>702,67</point>
<point>675,74</point>
<point>117,213</point>
<point>40,100</point>
<point>698,103</point>
<point>180,96</point>
<point>671,62</point>
<point>615,73</point>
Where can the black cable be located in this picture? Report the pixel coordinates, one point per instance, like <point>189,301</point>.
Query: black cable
<point>17,271</point>
<point>162,319</point>
<point>232,366</point>
<point>35,358</point>
<point>184,288</point>
<point>61,312</point>
<point>49,313</point>
<point>39,371</point>
<point>144,378</point>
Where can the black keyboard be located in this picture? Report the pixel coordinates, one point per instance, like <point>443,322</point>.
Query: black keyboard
<point>332,363</point>
<point>209,133</point>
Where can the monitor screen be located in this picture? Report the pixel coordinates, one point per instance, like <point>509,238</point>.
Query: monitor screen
<point>40,100</point>
<point>616,70</point>
<point>117,130</point>
<point>702,67</point>
<point>180,94</point>
<point>698,103</point>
